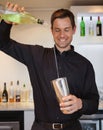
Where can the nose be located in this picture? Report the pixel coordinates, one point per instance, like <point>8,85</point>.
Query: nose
<point>62,34</point>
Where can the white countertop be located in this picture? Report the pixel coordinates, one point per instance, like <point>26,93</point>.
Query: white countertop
<point>25,106</point>
<point>19,106</point>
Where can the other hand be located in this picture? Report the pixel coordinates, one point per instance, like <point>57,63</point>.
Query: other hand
<point>70,104</point>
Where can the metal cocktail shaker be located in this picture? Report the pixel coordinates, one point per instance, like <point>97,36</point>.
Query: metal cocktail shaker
<point>61,87</point>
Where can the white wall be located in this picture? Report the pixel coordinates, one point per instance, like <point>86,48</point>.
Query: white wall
<point>94,54</point>
<point>88,46</point>
<point>10,69</point>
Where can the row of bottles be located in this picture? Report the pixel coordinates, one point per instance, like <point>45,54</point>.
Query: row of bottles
<point>16,93</point>
<point>91,27</point>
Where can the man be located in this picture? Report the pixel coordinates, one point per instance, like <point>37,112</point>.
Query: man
<point>47,64</point>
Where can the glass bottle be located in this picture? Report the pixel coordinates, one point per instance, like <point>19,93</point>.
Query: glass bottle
<point>24,93</point>
<point>91,27</point>
<point>82,27</point>
<point>18,92</point>
<point>11,92</point>
<point>19,17</point>
<point>5,94</point>
<point>99,27</point>
<point>0,94</point>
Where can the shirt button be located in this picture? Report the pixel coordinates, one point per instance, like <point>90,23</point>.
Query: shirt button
<point>59,68</point>
<point>57,117</point>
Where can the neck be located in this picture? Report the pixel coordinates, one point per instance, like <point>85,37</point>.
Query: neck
<point>63,49</point>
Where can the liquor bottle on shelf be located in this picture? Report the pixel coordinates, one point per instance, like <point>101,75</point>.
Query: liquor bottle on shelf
<point>11,92</point>
<point>5,94</point>
<point>24,93</point>
<point>99,27</point>
<point>0,94</point>
<point>30,94</point>
<point>82,27</point>
<point>91,27</point>
<point>18,92</point>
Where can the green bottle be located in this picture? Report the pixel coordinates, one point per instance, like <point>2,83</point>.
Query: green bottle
<point>82,27</point>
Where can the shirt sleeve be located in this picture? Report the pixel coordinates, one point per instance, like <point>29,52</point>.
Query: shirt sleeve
<point>90,100</point>
<point>4,33</point>
<point>19,51</point>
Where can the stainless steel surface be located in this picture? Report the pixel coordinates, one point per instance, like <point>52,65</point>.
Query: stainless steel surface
<point>61,88</point>
<point>101,124</point>
<point>90,124</point>
<point>9,125</point>
<point>5,128</point>
<point>93,116</point>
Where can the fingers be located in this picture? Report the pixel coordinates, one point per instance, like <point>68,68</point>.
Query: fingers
<point>67,107</point>
<point>14,7</point>
<point>70,104</point>
<point>21,9</point>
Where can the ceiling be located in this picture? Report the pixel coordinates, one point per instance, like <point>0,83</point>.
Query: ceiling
<point>47,4</point>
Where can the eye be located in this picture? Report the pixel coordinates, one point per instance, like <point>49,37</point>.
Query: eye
<point>57,30</point>
<point>67,30</point>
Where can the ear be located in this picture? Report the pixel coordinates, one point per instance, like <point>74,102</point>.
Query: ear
<point>74,29</point>
<point>51,29</point>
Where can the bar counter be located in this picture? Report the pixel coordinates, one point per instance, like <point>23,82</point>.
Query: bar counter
<point>26,106</point>
<point>17,106</point>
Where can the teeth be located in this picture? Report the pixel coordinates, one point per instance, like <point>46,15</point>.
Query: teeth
<point>62,40</point>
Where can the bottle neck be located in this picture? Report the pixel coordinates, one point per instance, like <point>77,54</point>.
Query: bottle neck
<point>4,86</point>
<point>98,18</point>
<point>90,18</point>
<point>82,18</point>
<point>18,83</point>
<point>99,22</point>
<point>11,83</point>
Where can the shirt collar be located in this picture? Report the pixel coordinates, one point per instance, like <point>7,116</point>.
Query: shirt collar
<point>64,52</point>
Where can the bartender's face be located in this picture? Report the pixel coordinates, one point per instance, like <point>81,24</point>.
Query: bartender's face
<point>63,33</point>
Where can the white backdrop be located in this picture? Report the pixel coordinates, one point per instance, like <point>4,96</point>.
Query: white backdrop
<point>11,69</point>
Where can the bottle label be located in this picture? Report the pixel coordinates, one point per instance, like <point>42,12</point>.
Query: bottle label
<point>98,31</point>
<point>82,31</point>
<point>91,31</point>
<point>4,99</point>
<point>17,98</point>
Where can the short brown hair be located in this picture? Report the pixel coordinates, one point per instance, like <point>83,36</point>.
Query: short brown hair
<point>63,13</point>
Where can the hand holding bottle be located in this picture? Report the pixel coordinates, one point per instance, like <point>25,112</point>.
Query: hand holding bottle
<point>11,9</point>
<point>14,7</point>
<point>14,14</point>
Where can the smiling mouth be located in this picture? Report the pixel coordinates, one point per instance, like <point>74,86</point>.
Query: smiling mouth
<point>62,40</point>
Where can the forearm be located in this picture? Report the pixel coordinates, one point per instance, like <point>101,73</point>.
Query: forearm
<point>73,104</point>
